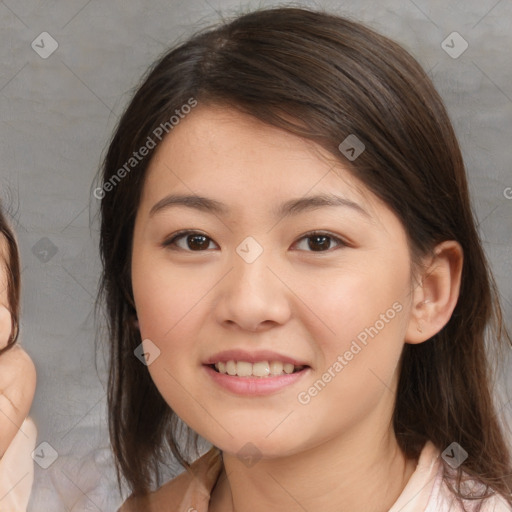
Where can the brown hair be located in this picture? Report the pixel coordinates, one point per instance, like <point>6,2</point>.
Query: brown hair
<point>321,77</point>
<point>10,264</point>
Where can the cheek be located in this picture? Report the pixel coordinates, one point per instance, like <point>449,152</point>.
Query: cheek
<point>162,295</point>
<point>167,309</point>
<point>361,336</point>
<point>357,367</point>
<point>353,299</point>
<point>169,303</point>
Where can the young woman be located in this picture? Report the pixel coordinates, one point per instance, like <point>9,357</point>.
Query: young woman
<point>292,271</point>
<point>17,385</point>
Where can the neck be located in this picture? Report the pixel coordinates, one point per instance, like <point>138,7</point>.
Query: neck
<point>359,472</point>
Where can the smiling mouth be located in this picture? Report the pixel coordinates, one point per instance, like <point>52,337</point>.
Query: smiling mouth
<point>261,369</point>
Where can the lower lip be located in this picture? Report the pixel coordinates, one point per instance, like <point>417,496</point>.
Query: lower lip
<point>254,386</point>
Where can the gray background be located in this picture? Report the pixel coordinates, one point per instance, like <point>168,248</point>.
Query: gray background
<point>56,117</point>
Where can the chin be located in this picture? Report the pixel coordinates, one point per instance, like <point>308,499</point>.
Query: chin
<point>258,446</point>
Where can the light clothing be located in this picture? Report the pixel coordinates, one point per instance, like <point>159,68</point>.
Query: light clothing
<point>425,491</point>
<point>17,469</point>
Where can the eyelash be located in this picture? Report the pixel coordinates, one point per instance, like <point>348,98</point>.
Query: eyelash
<point>170,243</point>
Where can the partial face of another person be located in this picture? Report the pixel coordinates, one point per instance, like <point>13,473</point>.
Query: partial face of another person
<point>269,276</point>
<point>5,315</point>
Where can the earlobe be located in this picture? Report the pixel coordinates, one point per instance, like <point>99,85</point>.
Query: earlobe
<point>435,298</point>
<point>134,322</point>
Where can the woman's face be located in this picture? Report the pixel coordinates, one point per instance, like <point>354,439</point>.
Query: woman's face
<point>250,284</point>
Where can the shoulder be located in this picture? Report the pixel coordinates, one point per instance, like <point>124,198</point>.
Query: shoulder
<point>443,498</point>
<point>188,491</point>
<point>497,504</point>
<point>17,389</point>
<point>428,489</point>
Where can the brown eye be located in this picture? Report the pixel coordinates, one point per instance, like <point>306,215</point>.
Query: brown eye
<point>196,242</point>
<point>193,241</point>
<point>321,242</point>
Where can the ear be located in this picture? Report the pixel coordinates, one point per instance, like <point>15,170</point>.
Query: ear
<point>435,297</point>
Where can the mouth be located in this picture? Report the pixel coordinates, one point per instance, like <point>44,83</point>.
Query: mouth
<point>259,369</point>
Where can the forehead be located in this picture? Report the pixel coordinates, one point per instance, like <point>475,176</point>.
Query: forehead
<point>222,152</point>
<point>230,136</point>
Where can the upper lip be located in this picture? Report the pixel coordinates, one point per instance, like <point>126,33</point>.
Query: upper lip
<point>252,357</point>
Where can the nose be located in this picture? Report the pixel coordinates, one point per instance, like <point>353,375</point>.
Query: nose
<point>253,296</point>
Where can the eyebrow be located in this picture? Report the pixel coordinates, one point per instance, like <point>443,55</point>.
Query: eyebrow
<point>291,207</point>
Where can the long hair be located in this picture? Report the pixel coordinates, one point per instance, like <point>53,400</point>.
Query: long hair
<point>10,265</point>
<point>324,78</point>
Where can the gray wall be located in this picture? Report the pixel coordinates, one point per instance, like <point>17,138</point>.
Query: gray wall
<point>56,117</point>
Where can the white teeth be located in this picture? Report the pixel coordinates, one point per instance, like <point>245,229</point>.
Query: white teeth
<point>259,369</point>
<point>276,367</point>
<point>243,369</point>
<point>288,368</point>
<point>231,368</point>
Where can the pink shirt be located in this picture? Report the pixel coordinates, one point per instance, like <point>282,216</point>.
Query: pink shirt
<point>425,491</point>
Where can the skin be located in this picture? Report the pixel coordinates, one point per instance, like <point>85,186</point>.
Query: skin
<point>17,371</point>
<point>339,450</point>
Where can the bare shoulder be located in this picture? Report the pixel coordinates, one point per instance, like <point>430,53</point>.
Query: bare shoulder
<point>17,388</point>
